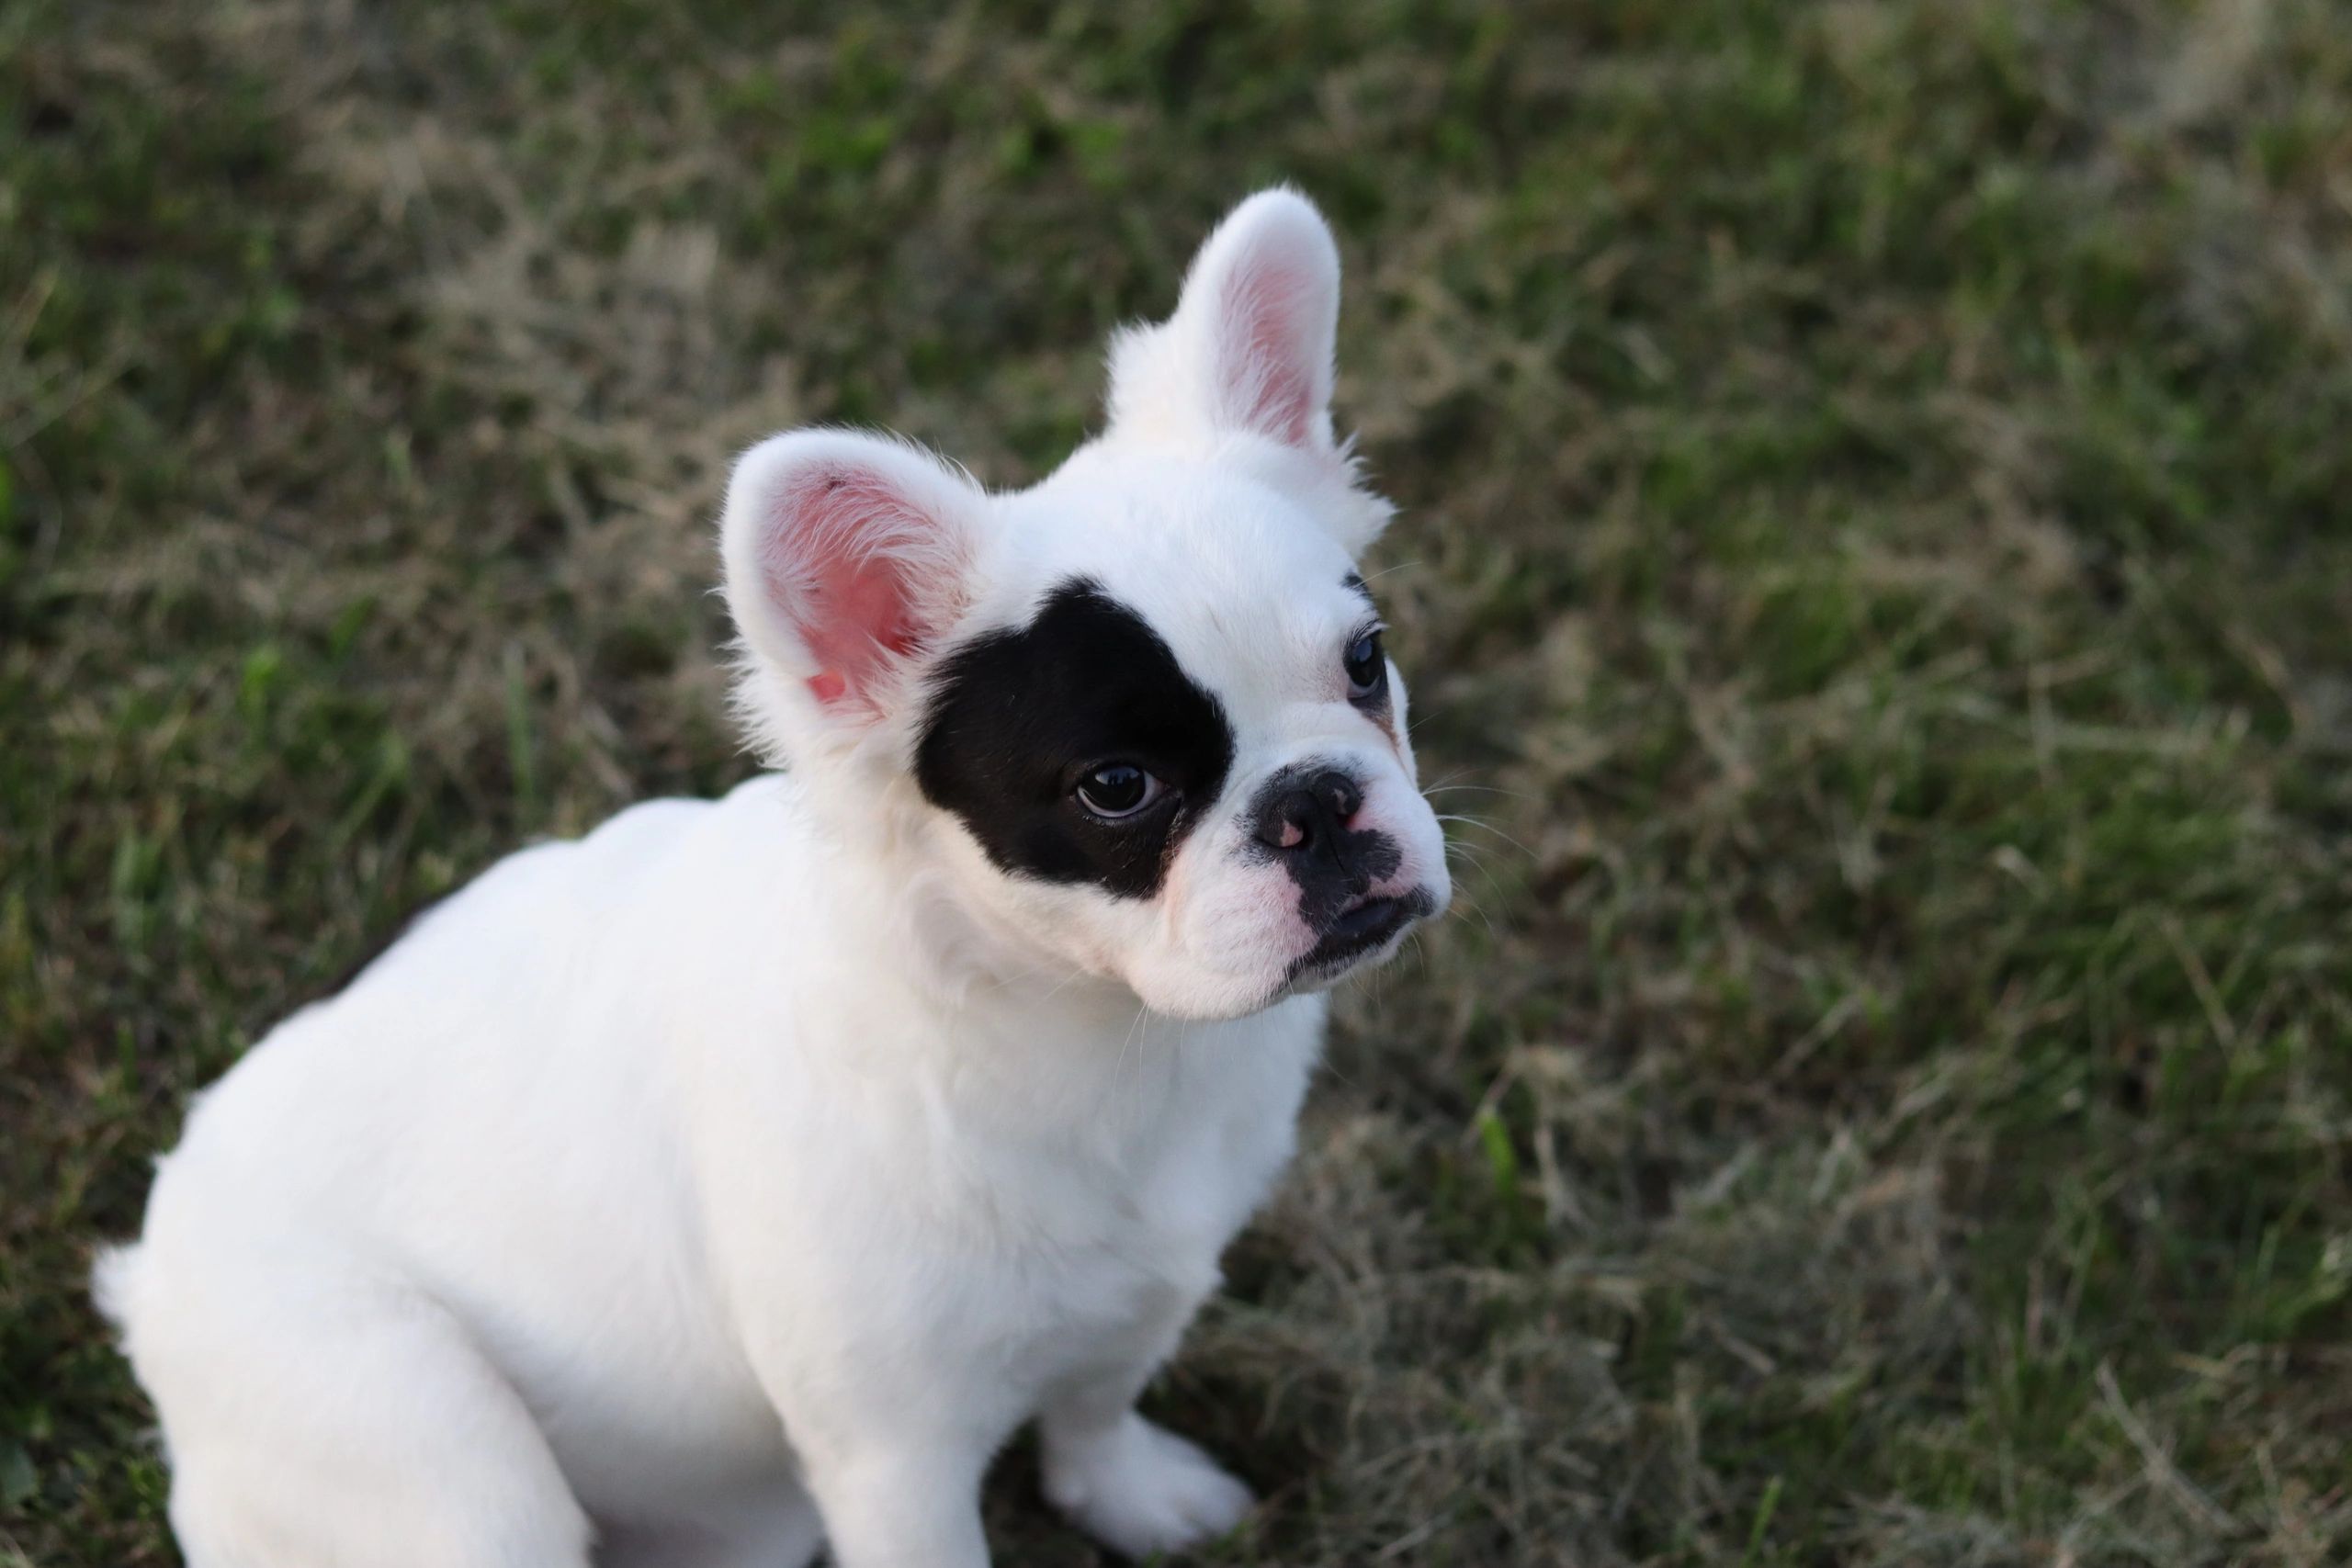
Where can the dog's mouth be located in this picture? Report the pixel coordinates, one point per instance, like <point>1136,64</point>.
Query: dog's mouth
<point>1365,926</point>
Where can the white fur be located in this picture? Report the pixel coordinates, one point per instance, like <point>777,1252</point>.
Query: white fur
<point>742,1174</point>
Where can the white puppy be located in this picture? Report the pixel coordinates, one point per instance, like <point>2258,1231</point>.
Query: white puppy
<point>738,1178</point>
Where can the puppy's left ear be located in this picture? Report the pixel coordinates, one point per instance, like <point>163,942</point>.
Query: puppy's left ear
<point>848,557</point>
<point>1249,353</point>
<point>1250,346</point>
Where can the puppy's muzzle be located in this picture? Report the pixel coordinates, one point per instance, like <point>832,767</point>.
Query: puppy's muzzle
<point>1309,820</point>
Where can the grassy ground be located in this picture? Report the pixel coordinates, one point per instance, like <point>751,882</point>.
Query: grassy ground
<point>1877,558</point>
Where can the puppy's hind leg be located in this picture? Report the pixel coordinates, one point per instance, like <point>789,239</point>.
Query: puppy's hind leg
<point>319,1418</point>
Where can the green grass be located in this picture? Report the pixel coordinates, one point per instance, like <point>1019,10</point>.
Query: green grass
<point>1875,564</point>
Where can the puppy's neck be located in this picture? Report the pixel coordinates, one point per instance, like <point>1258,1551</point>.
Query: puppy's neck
<point>894,907</point>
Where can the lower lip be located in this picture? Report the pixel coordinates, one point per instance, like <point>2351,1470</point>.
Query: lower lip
<point>1358,932</point>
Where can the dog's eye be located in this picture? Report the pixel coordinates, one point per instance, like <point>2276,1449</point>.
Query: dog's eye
<point>1366,667</point>
<point>1118,789</point>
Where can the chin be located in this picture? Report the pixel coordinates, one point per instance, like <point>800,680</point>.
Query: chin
<point>1361,940</point>
<point>1367,933</point>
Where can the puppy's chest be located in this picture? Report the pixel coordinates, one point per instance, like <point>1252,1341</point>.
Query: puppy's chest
<point>1126,1228</point>
<point>1102,1268</point>
<point>1150,1193</point>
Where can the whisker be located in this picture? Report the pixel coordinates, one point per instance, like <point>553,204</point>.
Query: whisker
<point>1476,908</point>
<point>1475,859</point>
<point>1066,983</point>
<point>1119,1070</point>
<point>1494,876</point>
<point>1469,859</point>
<point>1490,826</point>
<point>1450,789</point>
<point>1475,853</point>
<point>1343,1077</point>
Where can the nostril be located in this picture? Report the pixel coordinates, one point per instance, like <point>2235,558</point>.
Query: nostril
<point>1288,820</point>
<point>1308,811</point>
<point>1340,793</point>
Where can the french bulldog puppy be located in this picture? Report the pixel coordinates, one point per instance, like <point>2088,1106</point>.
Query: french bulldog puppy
<point>734,1180</point>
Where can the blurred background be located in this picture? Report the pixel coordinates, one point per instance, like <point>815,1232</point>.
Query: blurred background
<point>1876,559</point>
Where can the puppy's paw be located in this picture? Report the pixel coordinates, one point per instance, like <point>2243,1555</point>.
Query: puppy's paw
<point>1139,1489</point>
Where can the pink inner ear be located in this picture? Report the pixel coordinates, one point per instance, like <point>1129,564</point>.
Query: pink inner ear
<point>853,604</point>
<point>1264,370</point>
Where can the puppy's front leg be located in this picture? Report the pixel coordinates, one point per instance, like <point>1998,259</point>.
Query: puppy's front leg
<point>1131,1484</point>
<point>888,1503</point>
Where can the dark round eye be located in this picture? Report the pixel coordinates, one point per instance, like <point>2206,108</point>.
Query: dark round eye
<point>1366,667</point>
<point>1118,789</point>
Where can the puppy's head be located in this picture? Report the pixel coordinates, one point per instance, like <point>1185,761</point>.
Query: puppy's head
<point>1137,719</point>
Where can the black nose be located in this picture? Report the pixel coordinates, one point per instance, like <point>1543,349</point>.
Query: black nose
<point>1312,813</point>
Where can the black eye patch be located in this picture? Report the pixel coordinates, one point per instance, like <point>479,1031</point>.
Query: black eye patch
<point>1017,715</point>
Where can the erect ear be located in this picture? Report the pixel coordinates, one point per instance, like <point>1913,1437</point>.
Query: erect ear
<point>1250,346</point>
<point>846,556</point>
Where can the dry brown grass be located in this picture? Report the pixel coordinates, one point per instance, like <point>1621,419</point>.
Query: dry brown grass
<point>1873,568</point>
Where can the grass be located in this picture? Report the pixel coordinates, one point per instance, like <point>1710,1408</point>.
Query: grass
<point>1878,520</point>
